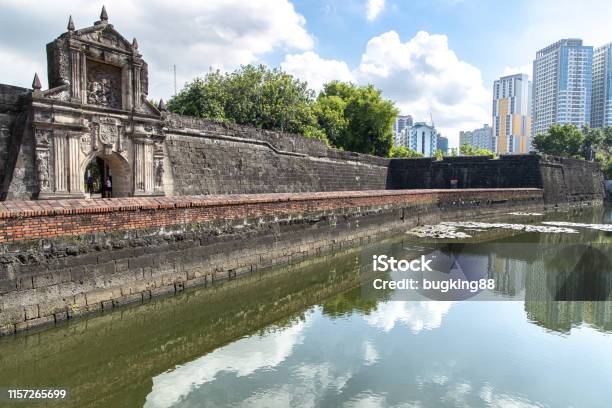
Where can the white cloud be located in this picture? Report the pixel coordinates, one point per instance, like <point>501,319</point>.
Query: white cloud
<point>310,67</point>
<point>417,315</point>
<point>422,75</point>
<point>195,36</point>
<point>243,357</point>
<point>523,69</point>
<point>370,354</point>
<point>373,9</point>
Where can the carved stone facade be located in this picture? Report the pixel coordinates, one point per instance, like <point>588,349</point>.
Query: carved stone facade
<point>96,107</point>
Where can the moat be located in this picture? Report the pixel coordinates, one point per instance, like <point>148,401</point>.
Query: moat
<point>310,335</point>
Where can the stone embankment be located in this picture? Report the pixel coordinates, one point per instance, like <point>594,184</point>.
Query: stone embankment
<point>67,258</point>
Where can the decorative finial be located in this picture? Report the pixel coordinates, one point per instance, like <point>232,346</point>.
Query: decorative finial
<point>36,83</point>
<point>103,14</point>
<point>70,24</point>
<point>162,105</point>
<point>135,44</point>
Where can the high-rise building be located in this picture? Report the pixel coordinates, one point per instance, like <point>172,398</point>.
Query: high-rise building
<point>442,144</point>
<point>562,85</point>
<point>511,114</point>
<point>422,138</point>
<point>401,122</point>
<point>481,138</point>
<point>601,101</point>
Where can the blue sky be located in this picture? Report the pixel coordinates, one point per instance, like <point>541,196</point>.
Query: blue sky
<point>437,56</point>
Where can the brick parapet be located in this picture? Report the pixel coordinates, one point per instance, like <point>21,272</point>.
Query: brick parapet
<point>26,220</point>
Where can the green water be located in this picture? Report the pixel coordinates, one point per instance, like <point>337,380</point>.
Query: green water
<point>310,336</point>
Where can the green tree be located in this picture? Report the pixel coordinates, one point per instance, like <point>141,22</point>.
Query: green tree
<point>469,150</point>
<point>561,140</point>
<point>402,151</point>
<point>439,154</point>
<point>329,112</point>
<point>356,118</point>
<point>251,95</point>
<point>607,139</point>
<point>593,141</point>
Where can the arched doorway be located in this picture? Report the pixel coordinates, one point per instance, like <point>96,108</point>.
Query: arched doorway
<point>101,168</point>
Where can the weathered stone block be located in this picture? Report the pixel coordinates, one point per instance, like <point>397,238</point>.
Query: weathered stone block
<point>31,312</point>
<point>12,316</point>
<point>98,296</point>
<point>35,323</point>
<point>162,290</point>
<point>51,308</point>
<point>7,329</point>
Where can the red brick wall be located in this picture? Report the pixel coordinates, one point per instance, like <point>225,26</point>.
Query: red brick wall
<point>26,220</point>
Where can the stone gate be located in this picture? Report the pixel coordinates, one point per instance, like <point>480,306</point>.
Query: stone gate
<point>96,108</point>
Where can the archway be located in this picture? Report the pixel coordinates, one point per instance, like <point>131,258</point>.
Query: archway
<point>102,167</point>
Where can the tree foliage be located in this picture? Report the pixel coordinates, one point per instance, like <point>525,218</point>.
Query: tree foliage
<point>251,95</point>
<point>345,115</point>
<point>403,152</point>
<point>561,140</point>
<point>356,118</point>
<point>569,141</point>
<point>469,150</point>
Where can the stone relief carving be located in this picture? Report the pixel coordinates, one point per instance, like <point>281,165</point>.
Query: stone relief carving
<point>103,85</point>
<point>42,168</point>
<point>108,133</point>
<point>158,165</point>
<point>85,143</point>
<point>63,95</point>
<point>42,158</point>
<point>159,172</point>
<point>106,38</point>
<point>144,78</point>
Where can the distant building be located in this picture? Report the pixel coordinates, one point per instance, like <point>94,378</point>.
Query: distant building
<point>420,137</point>
<point>401,122</point>
<point>481,138</point>
<point>601,100</point>
<point>442,143</point>
<point>511,114</point>
<point>562,85</point>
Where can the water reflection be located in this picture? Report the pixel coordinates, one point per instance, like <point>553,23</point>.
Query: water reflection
<point>242,357</point>
<point>307,336</point>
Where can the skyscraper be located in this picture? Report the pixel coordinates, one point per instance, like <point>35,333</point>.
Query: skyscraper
<point>562,85</point>
<point>442,144</point>
<point>511,114</point>
<point>401,122</point>
<point>601,101</point>
<point>481,138</point>
<point>423,138</point>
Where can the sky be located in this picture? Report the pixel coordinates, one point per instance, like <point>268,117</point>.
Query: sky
<point>433,58</point>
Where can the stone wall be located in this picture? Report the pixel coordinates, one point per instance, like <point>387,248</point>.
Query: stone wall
<point>201,157</point>
<point>64,260</point>
<point>563,180</point>
<point>193,325</point>
<point>17,178</point>
<point>212,158</point>
<point>571,181</point>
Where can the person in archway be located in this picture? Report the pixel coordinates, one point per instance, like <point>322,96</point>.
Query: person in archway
<point>90,182</point>
<point>109,187</point>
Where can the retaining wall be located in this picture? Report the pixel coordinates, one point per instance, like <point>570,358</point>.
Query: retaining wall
<point>212,158</point>
<point>564,181</point>
<point>62,259</point>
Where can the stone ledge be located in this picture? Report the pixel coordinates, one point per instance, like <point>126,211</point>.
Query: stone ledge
<point>26,208</point>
